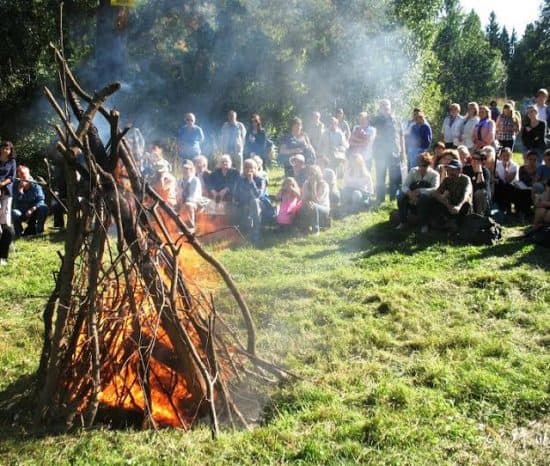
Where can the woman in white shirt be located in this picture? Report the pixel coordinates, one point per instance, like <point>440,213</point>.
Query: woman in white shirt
<point>469,123</point>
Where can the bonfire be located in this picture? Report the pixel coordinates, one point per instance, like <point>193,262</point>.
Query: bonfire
<point>137,329</point>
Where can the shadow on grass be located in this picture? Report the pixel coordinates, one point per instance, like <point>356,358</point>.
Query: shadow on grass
<point>16,409</point>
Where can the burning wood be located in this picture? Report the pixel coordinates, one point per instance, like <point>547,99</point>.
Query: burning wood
<point>131,327</point>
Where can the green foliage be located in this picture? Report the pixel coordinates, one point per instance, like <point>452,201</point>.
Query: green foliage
<point>530,65</point>
<point>471,69</point>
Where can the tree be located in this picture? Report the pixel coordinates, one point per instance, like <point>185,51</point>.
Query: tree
<point>492,31</point>
<point>504,45</point>
<point>471,68</point>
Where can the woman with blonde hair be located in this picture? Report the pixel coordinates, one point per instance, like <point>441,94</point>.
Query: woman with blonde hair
<point>290,200</point>
<point>357,187</point>
<point>484,131</point>
<point>315,200</point>
<point>470,121</point>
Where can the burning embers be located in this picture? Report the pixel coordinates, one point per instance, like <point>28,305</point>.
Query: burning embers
<point>132,332</point>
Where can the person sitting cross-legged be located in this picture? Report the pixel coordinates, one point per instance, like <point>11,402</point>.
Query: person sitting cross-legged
<point>421,181</point>
<point>222,180</point>
<point>451,201</point>
<point>249,191</point>
<point>28,204</point>
<point>357,186</point>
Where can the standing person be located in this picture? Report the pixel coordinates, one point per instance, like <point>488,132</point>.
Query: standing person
<point>7,176</point>
<point>249,191</point>
<point>257,142</point>
<point>484,132</point>
<point>468,124</point>
<point>342,123</point>
<point>533,133</point>
<point>233,138</point>
<point>362,139</point>
<point>387,151</point>
<point>420,139</point>
<point>190,138</point>
<point>336,145</point>
<point>407,131</point>
<point>540,103</point>
<point>295,142</point>
<point>316,132</point>
<point>494,111</point>
<point>508,126</point>
<point>452,127</point>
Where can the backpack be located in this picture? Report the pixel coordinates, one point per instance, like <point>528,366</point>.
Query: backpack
<point>477,229</point>
<point>542,237</point>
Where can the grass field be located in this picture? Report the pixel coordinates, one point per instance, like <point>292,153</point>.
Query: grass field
<point>410,351</point>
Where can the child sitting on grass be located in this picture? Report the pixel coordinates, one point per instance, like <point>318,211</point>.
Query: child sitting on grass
<point>290,200</point>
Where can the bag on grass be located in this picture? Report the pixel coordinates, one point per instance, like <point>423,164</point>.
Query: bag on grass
<point>477,229</point>
<point>542,237</point>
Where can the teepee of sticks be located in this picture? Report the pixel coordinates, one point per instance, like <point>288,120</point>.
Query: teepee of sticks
<point>132,330</point>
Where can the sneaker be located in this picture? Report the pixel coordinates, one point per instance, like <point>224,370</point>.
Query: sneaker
<point>400,226</point>
<point>424,229</point>
<point>3,262</point>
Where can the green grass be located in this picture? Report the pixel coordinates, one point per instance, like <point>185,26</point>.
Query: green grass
<point>410,351</point>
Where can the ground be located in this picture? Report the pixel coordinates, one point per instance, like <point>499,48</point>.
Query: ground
<point>409,349</point>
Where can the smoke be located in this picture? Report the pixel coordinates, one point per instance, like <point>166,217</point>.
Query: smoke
<point>256,56</point>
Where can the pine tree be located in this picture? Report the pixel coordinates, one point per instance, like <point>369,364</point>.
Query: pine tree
<point>492,31</point>
<point>504,45</point>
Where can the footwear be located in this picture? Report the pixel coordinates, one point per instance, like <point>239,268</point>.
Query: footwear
<point>401,226</point>
<point>424,229</point>
<point>3,262</point>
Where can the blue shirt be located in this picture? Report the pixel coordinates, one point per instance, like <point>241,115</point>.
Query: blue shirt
<point>32,197</point>
<point>190,140</point>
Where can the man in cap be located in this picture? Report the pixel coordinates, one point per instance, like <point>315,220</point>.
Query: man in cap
<point>450,201</point>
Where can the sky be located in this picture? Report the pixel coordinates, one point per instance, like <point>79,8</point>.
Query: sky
<point>510,13</point>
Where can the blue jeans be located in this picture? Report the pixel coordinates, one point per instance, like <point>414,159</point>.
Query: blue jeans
<point>35,221</point>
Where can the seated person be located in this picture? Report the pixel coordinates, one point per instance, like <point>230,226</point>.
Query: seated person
<point>28,204</point>
<point>154,161</point>
<point>357,187</point>
<point>443,161</point>
<point>464,155</point>
<point>522,196</point>
<point>506,174</point>
<point>298,164</point>
<point>420,182</point>
<point>164,183</point>
<point>223,179</point>
<point>543,173</point>
<point>249,191</point>
<point>202,173</point>
<point>542,208</point>
<point>481,183</point>
<point>289,197</point>
<point>190,192</point>
<point>451,200</point>
<point>315,209</point>
<point>329,175</point>
<point>261,172</point>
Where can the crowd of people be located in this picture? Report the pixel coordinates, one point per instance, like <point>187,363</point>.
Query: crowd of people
<point>332,170</point>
